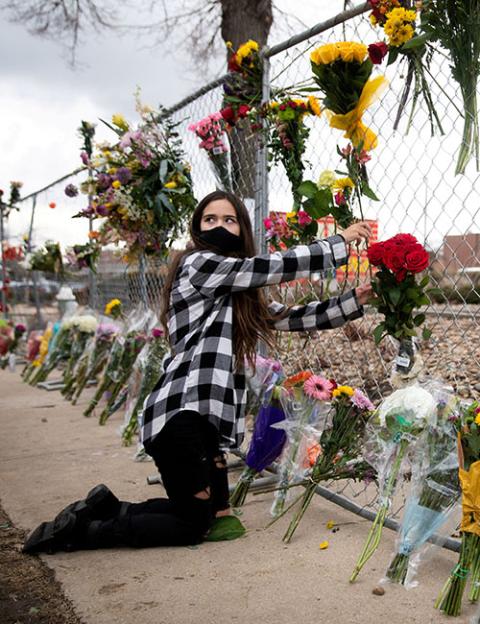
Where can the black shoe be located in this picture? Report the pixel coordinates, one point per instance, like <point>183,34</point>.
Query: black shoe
<point>99,504</point>
<point>50,537</point>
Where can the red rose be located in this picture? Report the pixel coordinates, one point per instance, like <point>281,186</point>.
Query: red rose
<point>416,258</point>
<point>403,239</point>
<point>377,52</point>
<point>243,110</point>
<point>375,254</point>
<point>401,275</point>
<point>228,114</point>
<point>233,65</point>
<point>394,258</point>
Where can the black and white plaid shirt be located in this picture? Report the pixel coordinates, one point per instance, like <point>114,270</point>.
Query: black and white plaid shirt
<point>200,375</point>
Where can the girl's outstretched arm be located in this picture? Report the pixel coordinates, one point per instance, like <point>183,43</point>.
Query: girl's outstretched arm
<point>327,314</point>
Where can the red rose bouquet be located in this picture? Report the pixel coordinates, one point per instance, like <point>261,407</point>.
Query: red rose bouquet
<point>400,259</point>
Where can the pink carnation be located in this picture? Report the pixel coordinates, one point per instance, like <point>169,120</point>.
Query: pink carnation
<point>361,401</point>
<point>303,218</point>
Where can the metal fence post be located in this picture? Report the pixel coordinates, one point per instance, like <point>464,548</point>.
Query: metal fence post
<point>4,268</point>
<point>261,186</point>
<point>36,297</point>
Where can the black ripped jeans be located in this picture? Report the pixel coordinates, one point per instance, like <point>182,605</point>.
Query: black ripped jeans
<point>187,455</point>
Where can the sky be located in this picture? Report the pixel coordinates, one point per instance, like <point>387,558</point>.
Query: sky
<point>44,99</point>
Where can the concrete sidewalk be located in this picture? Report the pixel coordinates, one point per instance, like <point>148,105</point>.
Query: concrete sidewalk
<point>51,455</point>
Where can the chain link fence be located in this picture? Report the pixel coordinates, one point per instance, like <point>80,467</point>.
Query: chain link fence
<point>412,173</point>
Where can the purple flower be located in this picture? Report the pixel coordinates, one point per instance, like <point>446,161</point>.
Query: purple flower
<point>157,332</point>
<point>84,157</point>
<point>71,190</point>
<point>20,329</point>
<point>267,442</point>
<point>124,175</point>
<point>102,211</point>
<point>104,181</point>
<point>361,401</point>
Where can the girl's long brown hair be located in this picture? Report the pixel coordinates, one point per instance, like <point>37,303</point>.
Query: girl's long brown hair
<point>251,319</point>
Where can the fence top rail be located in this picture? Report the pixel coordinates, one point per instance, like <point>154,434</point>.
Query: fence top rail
<point>340,18</point>
<point>45,188</point>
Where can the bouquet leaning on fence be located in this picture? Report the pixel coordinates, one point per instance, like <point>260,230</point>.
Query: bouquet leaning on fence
<point>340,451</point>
<point>84,327</point>
<point>434,490</point>
<point>400,421</point>
<point>95,359</point>
<point>398,294</point>
<point>58,350</point>
<point>151,360</point>
<point>468,430</point>
<point>305,401</point>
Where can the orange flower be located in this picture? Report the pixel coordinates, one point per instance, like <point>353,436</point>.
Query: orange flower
<point>298,379</point>
<point>52,205</point>
<point>93,234</point>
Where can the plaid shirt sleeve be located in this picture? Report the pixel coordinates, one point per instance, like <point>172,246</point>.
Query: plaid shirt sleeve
<point>317,315</point>
<point>213,275</point>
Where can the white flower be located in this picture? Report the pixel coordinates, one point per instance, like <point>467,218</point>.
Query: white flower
<point>326,179</point>
<point>87,323</point>
<point>412,403</point>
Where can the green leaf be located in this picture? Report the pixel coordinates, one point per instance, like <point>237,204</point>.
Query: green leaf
<point>415,42</point>
<point>308,189</point>
<point>395,295</point>
<point>378,332</point>
<point>392,55</point>
<point>419,319</point>
<point>425,281</point>
<point>367,191</point>
<point>434,291</point>
<point>426,333</point>
<point>225,528</point>
<point>163,170</point>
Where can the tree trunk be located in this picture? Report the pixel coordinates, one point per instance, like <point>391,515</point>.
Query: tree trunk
<point>243,20</point>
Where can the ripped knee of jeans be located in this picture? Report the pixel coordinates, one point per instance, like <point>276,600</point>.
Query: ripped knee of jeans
<point>220,462</point>
<point>203,494</point>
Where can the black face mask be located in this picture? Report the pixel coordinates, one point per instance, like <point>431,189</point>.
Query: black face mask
<point>221,239</point>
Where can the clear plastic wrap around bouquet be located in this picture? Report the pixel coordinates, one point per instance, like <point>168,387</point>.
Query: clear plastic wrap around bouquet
<point>214,141</point>
<point>149,364</point>
<point>79,368</point>
<point>468,430</point>
<point>401,420</point>
<point>305,401</point>
<point>434,491</point>
<point>123,354</point>
<point>58,350</point>
<point>340,452</point>
<point>96,357</point>
<point>84,328</point>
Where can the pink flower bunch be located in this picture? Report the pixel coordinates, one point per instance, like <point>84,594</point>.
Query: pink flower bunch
<point>361,400</point>
<point>277,228</point>
<point>210,130</point>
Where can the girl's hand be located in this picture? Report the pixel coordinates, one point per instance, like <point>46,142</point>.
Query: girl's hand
<point>356,232</point>
<point>364,293</point>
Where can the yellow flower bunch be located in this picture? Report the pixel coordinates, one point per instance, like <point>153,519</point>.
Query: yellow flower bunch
<point>347,51</point>
<point>343,183</point>
<point>43,349</point>
<point>246,49</point>
<point>110,308</point>
<point>342,391</point>
<point>400,26</point>
<point>291,217</point>
<point>119,121</point>
<point>171,185</point>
